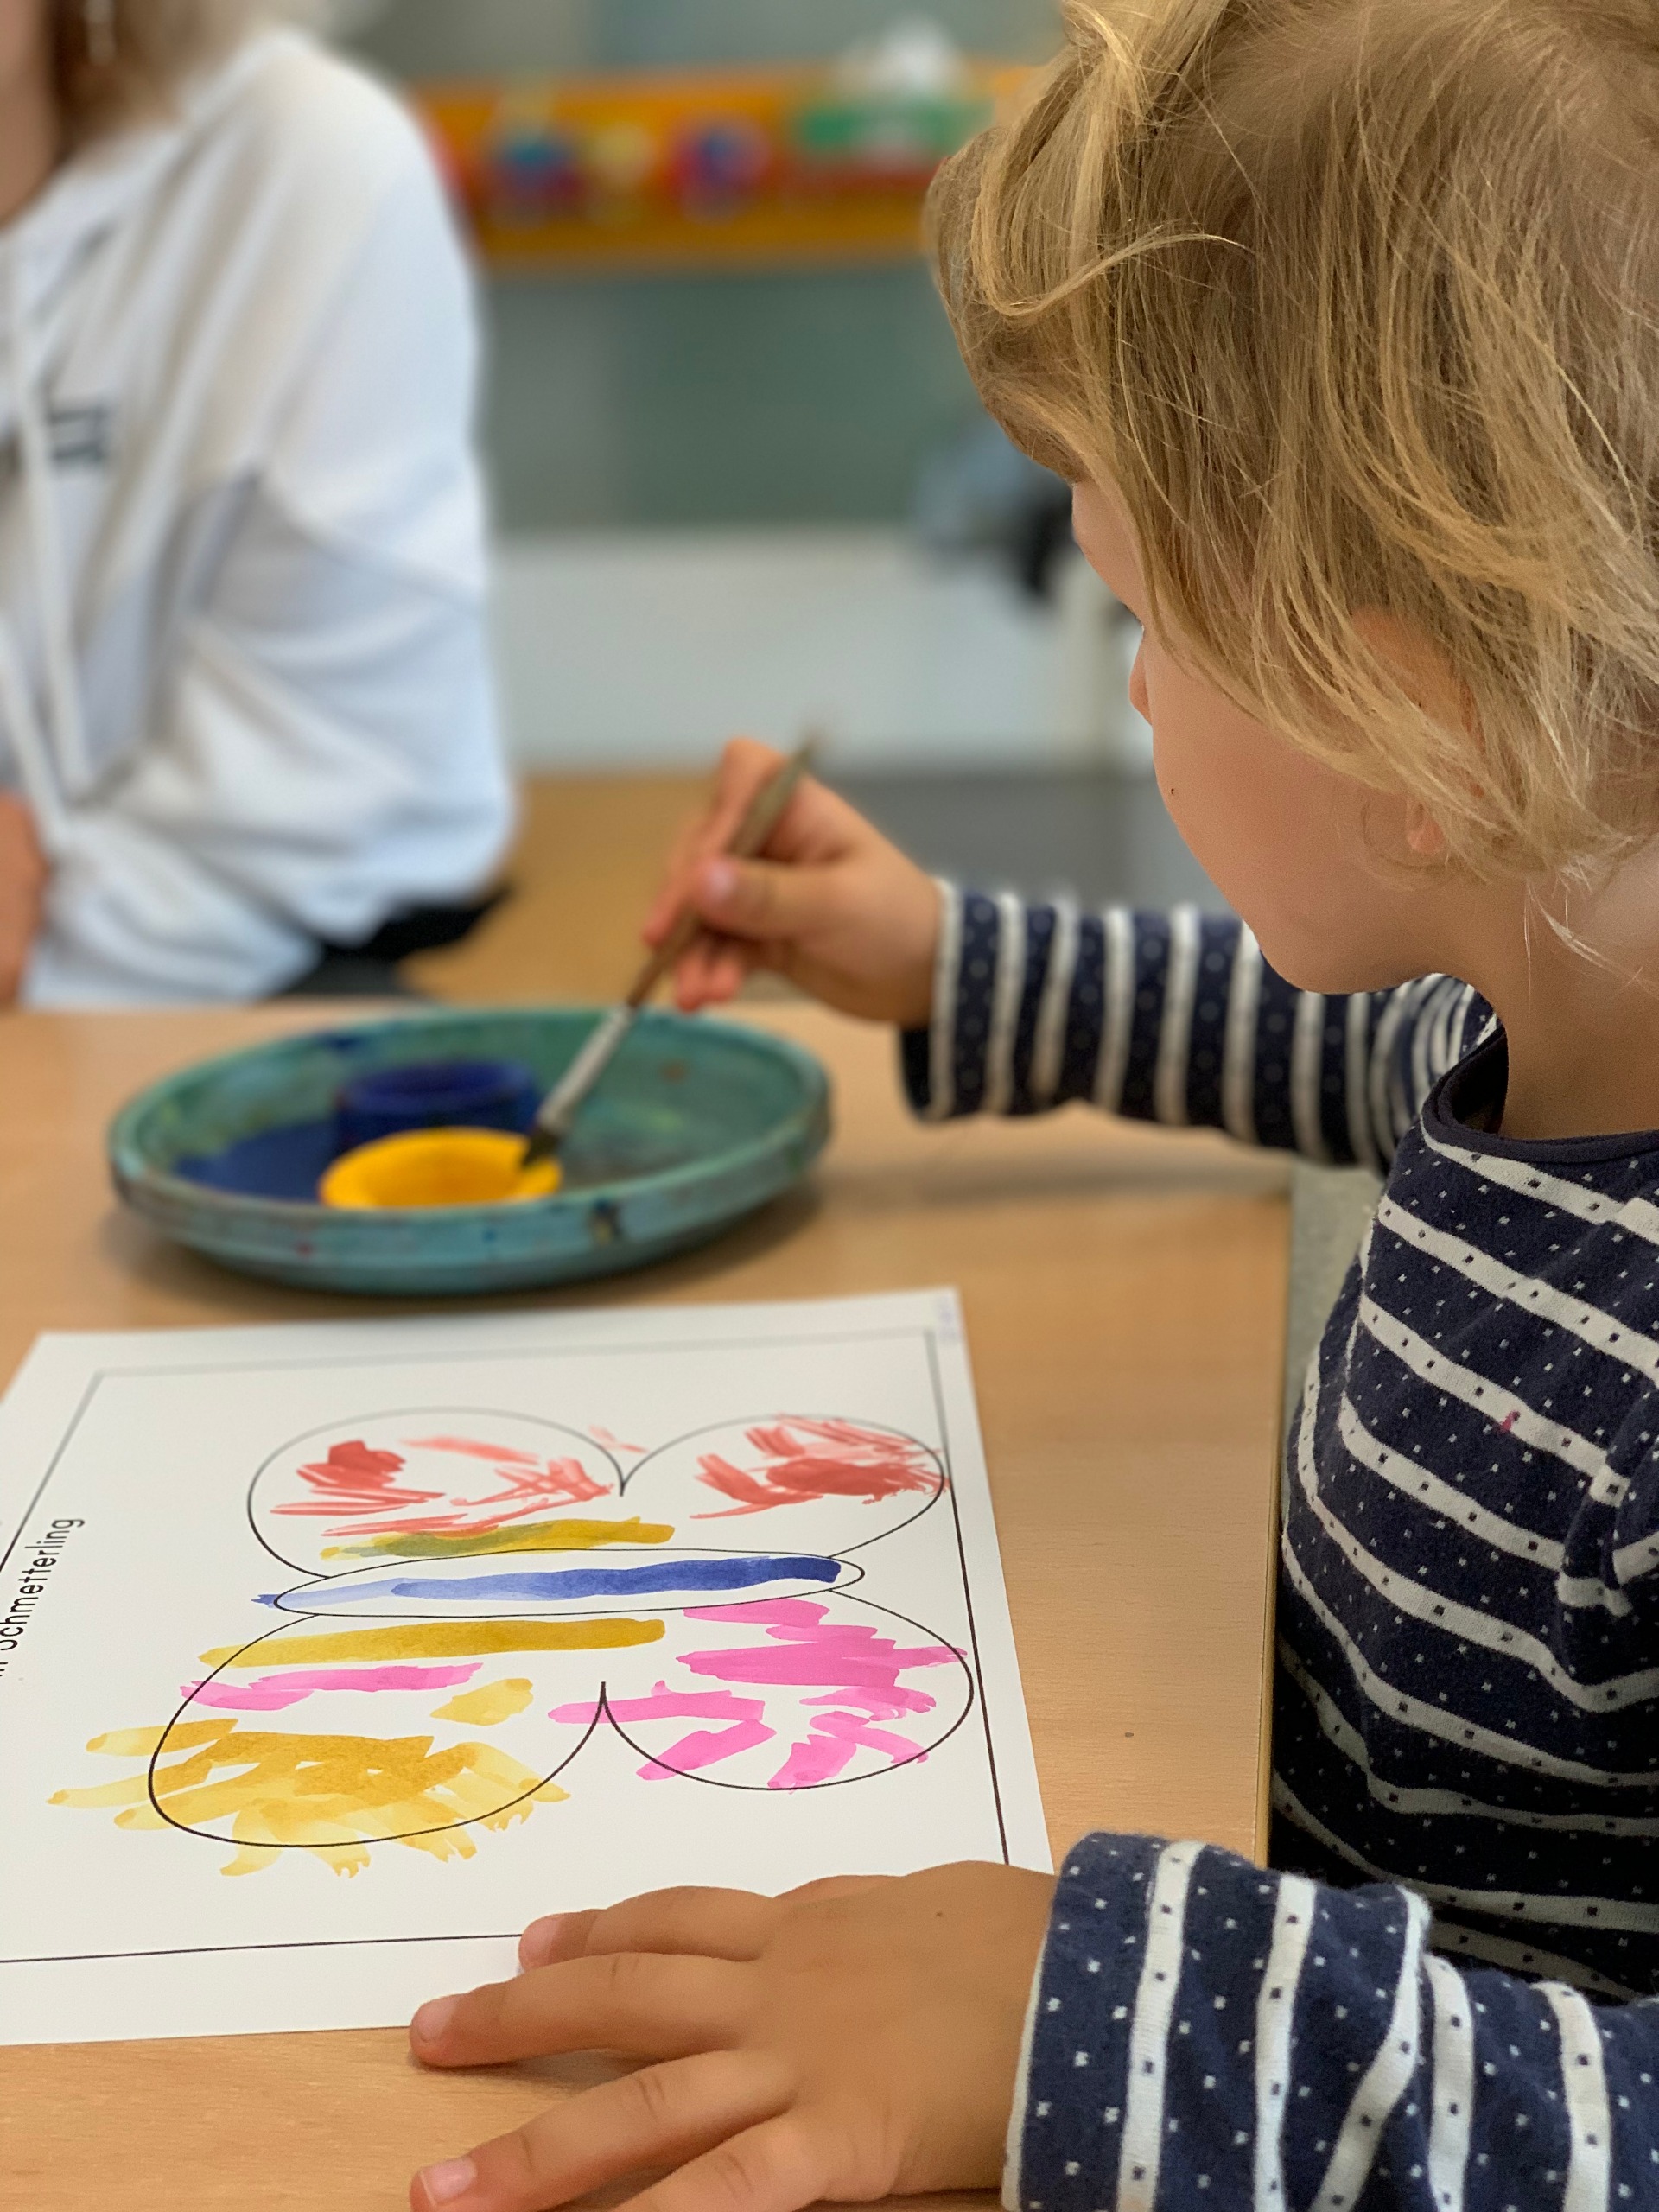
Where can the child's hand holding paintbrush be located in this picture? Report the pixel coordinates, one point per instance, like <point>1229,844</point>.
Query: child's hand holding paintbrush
<point>830,902</point>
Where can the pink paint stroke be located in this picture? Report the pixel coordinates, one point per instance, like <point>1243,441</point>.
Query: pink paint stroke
<point>836,1740</point>
<point>804,1461</point>
<point>276,1692</point>
<point>704,1746</point>
<point>604,1436</point>
<point>856,1667</point>
<point>707,1747</point>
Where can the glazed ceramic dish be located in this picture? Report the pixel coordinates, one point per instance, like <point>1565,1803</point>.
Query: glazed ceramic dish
<point>696,1124</point>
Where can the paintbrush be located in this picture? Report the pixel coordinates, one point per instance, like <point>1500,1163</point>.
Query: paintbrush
<point>565,1101</point>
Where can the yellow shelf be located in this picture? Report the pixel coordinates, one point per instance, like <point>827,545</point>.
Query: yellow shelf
<point>750,170</point>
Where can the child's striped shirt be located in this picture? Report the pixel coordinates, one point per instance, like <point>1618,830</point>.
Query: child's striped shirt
<point>1466,1737</point>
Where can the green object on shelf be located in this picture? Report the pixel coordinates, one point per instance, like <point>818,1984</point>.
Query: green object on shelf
<point>698,1123</point>
<point>881,136</point>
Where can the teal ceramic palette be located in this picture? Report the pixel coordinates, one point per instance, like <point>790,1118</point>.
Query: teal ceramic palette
<point>697,1124</point>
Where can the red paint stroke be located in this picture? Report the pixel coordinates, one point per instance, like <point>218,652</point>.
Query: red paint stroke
<point>561,1482</point>
<point>505,1454</point>
<point>276,1692</point>
<point>354,1478</point>
<point>1507,1423</point>
<point>805,1460</point>
<point>604,1436</point>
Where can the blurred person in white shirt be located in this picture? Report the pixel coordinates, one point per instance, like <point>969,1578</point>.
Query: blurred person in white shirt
<point>246,716</point>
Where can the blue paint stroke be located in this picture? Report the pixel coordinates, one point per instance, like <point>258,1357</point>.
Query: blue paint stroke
<point>660,1579</point>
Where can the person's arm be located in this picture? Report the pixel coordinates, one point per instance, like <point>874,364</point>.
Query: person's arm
<point>1206,2035</point>
<point>322,749</point>
<point>1174,1017</point>
<point>1010,1007</point>
<point>1199,2036</point>
<point>23,891</point>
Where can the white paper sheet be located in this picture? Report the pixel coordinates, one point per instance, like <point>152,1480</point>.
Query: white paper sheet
<point>545,1609</point>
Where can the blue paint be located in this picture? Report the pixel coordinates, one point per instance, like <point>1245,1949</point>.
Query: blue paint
<point>285,1163</point>
<point>289,1161</point>
<point>661,1578</point>
<point>437,1094</point>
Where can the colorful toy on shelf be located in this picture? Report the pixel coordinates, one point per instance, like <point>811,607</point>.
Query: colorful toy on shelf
<point>722,161</point>
<point>760,167</point>
<point>533,168</point>
<point>890,111</point>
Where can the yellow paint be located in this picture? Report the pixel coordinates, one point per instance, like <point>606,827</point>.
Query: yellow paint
<point>332,1795</point>
<point>539,1536</point>
<point>486,1705</point>
<point>436,1640</point>
<point>438,1168</point>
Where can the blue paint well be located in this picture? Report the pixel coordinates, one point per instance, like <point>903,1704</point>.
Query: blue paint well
<point>660,1579</point>
<point>437,1094</point>
<point>286,1163</point>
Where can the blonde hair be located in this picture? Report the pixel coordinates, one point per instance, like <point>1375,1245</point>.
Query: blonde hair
<point>1355,304</point>
<point>129,65</point>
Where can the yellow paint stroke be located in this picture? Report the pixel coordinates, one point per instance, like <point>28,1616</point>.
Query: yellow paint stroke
<point>332,1795</point>
<point>436,1640</point>
<point>486,1705</point>
<point>540,1536</point>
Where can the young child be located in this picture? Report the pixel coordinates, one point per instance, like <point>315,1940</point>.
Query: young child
<point>1343,315</point>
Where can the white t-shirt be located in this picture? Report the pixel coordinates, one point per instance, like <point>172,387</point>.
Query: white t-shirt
<point>237,493</point>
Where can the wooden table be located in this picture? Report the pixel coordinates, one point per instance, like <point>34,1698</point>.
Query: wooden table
<point>1125,1293</point>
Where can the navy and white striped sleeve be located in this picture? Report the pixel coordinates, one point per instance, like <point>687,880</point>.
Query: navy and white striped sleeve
<point>1174,1017</point>
<point>1204,2035</point>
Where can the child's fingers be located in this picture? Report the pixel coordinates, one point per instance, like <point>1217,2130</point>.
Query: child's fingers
<point>779,2166</point>
<point>625,2000</point>
<point>659,2117</point>
<point>706,1923</point>
<point>729,969</point>
<point>711,971</point>
<point>744,767</point>
<point>761,900</point>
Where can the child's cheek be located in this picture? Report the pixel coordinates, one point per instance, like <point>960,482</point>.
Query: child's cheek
<point>1204,761</point>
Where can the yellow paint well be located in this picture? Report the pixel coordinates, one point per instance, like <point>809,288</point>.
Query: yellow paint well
<point>438,1168</point>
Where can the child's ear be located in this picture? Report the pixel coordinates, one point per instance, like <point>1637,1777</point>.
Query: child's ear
<point>1424,834</point>
<point>1433,686</point>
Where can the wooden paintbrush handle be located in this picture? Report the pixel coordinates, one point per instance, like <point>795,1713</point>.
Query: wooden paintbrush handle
<point>761,817</point>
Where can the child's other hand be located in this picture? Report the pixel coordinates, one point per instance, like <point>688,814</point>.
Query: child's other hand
<point>23,891</point>
<point>832,905</point>
<point>852,2040</point>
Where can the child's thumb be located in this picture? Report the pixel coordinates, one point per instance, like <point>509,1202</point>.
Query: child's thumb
<point>759,899</point>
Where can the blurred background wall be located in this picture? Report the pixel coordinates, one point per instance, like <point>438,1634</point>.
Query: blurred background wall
<point>753,500</point>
